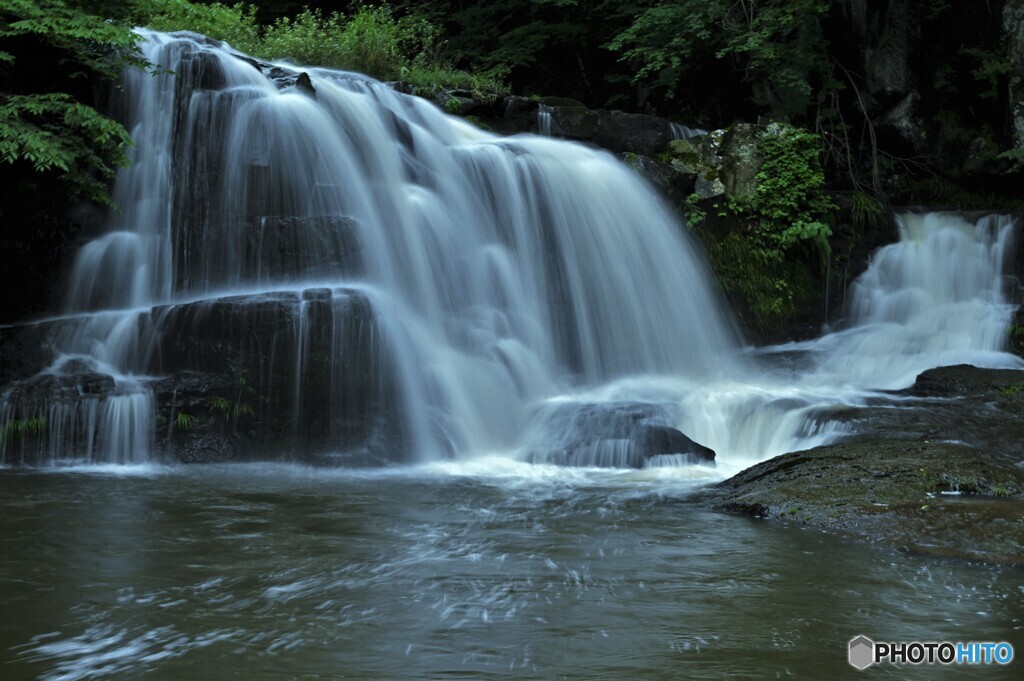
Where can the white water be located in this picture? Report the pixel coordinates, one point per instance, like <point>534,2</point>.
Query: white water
<point>510,278</point>
<point>678,131</point>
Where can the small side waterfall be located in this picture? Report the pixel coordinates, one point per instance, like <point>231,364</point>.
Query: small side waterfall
<point>544,121</point>
<point>936,297</point>
<point>678,131</point>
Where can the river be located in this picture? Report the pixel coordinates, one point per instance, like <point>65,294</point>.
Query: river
<point>477,570</point>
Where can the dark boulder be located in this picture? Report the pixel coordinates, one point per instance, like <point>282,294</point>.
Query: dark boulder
<point>283,77</point>
<point>612,435</point>
<point>637,133</point>
<point>965,379</point>
<point>574,122</point>
<point>656,440</point>
<point>288,374</point>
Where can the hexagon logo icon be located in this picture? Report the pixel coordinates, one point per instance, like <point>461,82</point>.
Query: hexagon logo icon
<point>862,652</point>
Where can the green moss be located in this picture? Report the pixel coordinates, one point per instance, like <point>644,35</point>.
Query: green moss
<point>778,228</point>
<point>17,430</point>
<point>1011,390</point>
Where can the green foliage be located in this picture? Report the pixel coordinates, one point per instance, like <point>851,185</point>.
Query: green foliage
<point>963,484</point>
<point>220,404</point>
<point>991,69</point>
<point>17,430</point>
<point>779,230</point>
<point>53,131</point>
<point>790,200</point>
<point>756,274</point>
<point>545,46</point>
<point>184,422</point>
<point>92,43</point>
<point>667,40</point>
<point>1011,390</point>
<point>938,191</point>
<point>1016,340</point>
<point>371,41</point>
<point>242,409</point>
<point>691,209</point>
<point>777,44</point>
<point>234,24</point>
<point>867,211</point>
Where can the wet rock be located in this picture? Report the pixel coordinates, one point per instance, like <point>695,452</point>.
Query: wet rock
<point>291,374</point>
<point>721,162</point>
<point>673,186</point>
<point>282,77</point>
<point>521,114</point>
<point>459,102</point>
<point>968,381</point>
<point>199,70</point>
<point>25,350</point>
<point>892,33</point>
<point>618,131</point>
<point>656,440</point>
<point>904,119</point>
<point>615,435</point>
<point>46,389</point>
<point>940,472</point>
<point>571,121</point>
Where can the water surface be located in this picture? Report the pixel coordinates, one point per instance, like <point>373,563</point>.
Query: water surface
<point>488,570</point>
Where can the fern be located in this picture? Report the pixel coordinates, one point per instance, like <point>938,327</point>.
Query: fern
<point>184,422</point>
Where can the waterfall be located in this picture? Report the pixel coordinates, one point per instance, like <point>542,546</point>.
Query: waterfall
<point>678,131</point>
<point>339,258</point>
<point>544,120</point>
<point>936,297</point>
<point>311,265</point>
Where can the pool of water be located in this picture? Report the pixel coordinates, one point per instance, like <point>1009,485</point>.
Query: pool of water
<point>470,571</point>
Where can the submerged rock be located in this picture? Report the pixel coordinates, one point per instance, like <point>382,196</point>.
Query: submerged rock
<point>613,435</point>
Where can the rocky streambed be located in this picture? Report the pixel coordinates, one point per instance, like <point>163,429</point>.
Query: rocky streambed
<point>939,469</point>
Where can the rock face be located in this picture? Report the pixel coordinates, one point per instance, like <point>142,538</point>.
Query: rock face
<point>617,131</point>
<point>616,434</point>
<point>936,475</point>
<point>299,375</point>
<point>287,374</point>
<point>1013,30</point>
<point>721,162</point>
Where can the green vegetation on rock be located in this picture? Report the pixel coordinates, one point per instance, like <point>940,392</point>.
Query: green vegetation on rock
<point>17,430</point>
<point>766,185</point>
<point>371,41</point>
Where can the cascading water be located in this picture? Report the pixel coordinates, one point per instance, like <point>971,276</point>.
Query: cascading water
<point>678,131</point>
<point>329,266</point>
<point>934,298</point>
<point>489,273</point>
